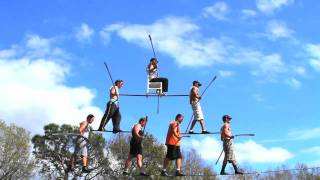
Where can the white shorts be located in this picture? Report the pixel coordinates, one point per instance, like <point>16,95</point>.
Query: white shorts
<point>82,146</point>
<point>197,111</point>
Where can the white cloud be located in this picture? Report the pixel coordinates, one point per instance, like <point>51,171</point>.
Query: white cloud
<point>33,91</point>
<point>314,51</point>
<point>225,73</point>
<point>299,135</point>
<point>209,148</point>
<point>218,11</point>
<point>248,13</point>
<point>105,33</point>
<point>299,70</point>
<point>315,63</point>
<point>269,6</point>
<point>294,83</point>
<point>38,47</point>
<point>182,40</point>
<point>174,36</point>
<point>252,152</point>
<point>278,29</point>
<point>307,134</point>
<point>270,66</point>
<point>84,33</point>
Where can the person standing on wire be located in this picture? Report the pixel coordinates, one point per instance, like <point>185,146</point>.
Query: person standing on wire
<point>194,99</point>
<point>173,146</point>
<point>113,110</point>
<point>82,145</point>
<point>227,138</point>
<point>136,147</point>
<point>152,70</point>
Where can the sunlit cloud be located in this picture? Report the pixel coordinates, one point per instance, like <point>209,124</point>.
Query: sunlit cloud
<point>33,89</point>
<point>269,6</point>
<point>209,148</point>
<point>218,11</point>
<point>84,33</point>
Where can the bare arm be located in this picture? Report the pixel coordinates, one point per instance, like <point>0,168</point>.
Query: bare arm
<point>152,68</point>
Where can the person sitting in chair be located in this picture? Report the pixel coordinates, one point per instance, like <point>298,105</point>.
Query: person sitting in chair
<point>152,70</point>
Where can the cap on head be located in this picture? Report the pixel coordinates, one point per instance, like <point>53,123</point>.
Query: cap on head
<point>225,117</point>
<point>196,82</point>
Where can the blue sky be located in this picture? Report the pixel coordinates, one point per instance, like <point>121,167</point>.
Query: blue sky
<point>265,53</point>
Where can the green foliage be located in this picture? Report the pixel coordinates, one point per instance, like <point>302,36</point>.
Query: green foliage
<point>153,153</point>
<point>194,165</point>
<point>153,156</point>
<point>15,162</point>
<point>107,159</point>
<point>54,149</point>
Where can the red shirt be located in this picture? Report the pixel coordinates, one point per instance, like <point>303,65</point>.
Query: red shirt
<point>172,139</point>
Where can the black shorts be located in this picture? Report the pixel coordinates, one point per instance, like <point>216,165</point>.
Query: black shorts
<point>135,148</point>
<point>173,152</point>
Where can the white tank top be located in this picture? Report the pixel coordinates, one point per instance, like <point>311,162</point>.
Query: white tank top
<point>86,131</point>
<point>115,98</point>
<point>153,74</point>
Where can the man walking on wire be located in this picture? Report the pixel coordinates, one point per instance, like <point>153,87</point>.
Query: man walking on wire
<point>227,138</point>
<point>82,145</point>
<point>194,99</point>
<point>173,146</point>
<point>153,74</point>
<point>136,147</point>
<point>112,110</point>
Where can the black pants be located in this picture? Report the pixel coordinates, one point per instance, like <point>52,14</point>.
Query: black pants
<point>135,147</point>
<point>173,152</point>
<point>164,83</point>
<point>112,111</point>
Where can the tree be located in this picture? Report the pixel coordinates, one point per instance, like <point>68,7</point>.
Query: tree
<point>54,149</point>
<point>153,153</point>
<point>194,166</point>
<point>15,161</point>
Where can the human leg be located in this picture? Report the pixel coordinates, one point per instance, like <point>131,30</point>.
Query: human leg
<point>127,165</point>
<point>235,167</point>
<point>106,117</point>
<point>116,119</point>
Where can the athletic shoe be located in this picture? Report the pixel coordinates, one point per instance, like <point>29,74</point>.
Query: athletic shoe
<point>164,173</point>
<point>144,174</point>
<point>205,132</point>
<point>223,173</point>
<point>239,172</point>
<point>70,168</point>
<point>178,173</point>
<point>115,131</point>
<point>85,170</point>
<point>191,132</point>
